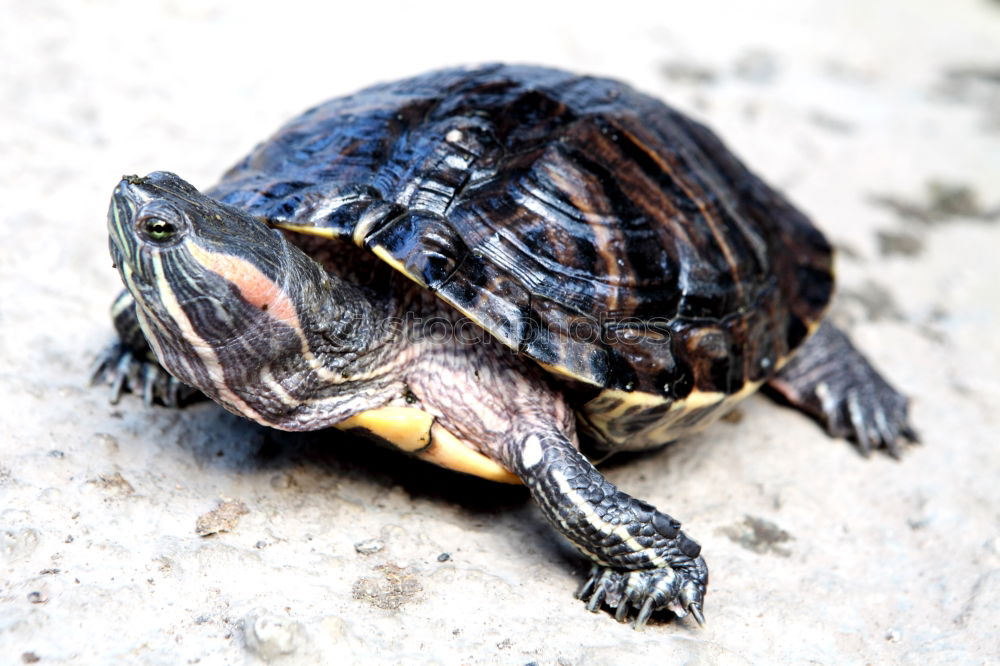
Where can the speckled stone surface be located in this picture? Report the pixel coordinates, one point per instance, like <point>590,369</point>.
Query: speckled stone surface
<point>882,120</point>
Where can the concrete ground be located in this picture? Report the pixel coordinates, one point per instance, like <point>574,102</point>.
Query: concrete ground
<point>882,120</point>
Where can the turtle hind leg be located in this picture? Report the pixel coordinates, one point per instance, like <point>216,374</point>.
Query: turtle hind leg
<point>834,383</point>
<point>643,560</point>
<point>129,365</point>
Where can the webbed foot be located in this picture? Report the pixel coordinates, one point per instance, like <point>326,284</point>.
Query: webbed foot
<point>127,372</point>
<point>680,589</point>
<point>129,366</point>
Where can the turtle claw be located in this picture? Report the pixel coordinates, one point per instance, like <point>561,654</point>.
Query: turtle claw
<point>594,604</point>
<point>644,613</point>
<point>699,617</point>
<point>586,585</point>
<point>115,361</point>
<point>681,589</point>
<point>127,373</point>
<point>622,613</point>
<point>874,416</point>
<point>909,433</point>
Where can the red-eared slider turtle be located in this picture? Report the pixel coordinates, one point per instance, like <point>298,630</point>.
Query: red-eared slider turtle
<point>484,267</point>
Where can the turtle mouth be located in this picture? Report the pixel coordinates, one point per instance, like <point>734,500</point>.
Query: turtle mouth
<point>121,213</point>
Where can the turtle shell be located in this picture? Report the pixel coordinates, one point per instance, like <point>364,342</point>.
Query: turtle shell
<point>593,228</point>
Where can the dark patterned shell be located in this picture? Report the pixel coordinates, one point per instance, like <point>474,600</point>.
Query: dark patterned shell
<point>582,223</point>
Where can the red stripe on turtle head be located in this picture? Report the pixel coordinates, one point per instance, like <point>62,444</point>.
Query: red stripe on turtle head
<point>254,286</point>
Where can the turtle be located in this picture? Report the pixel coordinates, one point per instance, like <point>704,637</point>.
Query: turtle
<point>504,270</point>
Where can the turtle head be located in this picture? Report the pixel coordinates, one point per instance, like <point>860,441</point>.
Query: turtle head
<point>210,281</point>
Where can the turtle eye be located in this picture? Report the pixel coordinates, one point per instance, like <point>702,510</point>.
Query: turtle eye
<point>157,229</point>
<point>159,224</point>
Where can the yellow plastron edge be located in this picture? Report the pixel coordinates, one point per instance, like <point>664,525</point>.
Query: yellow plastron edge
<point>414,431</point>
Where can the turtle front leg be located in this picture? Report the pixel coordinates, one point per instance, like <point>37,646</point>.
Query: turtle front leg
<point>642,559</point>
<point>130,365</point>
<point>834,383</point>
